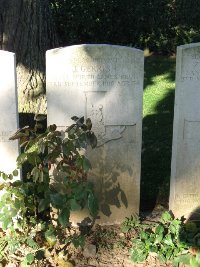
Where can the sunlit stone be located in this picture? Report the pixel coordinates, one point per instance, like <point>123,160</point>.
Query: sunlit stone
<point>9,150</point>
<point>185,168</point>
<point>104,83</point>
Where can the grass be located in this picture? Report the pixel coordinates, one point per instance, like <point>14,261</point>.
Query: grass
<point>158,108</point>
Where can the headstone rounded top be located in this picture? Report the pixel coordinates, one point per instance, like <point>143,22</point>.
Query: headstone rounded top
<point>186,46</point>
<point>3,52</point>
<point>95,46</point>
<point>116,71</point>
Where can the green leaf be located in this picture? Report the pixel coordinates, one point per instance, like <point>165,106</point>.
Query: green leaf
<point>79,162</point>
<point>43,205</point>
<point>86,164</point>
<point>74,205</point>
<point>198,257</point>
<point>166,217</point>
<point>39,117</point>
<point>15,173</point>
<point>159,229</point>
<point>39,126</point>
<point>52,127</point>
<point>158,238</point>
<point>144,235</point>
<point>153,249</point>
<point>10,176</point>
<point>91,139</point>
<point>17,203</point>
<point>92,204</point>
<point>138,255</point>
<point>88,123</point>
<point>13,212</point>
<point>63,217</point>
<point>169,253</point>
<point>173,228</point>
<point>4,176</point>
<point>35,173</point>
<point>168,240</point>
<point>39,255</point>
<point>78,121</point>
<point>184,259</point>
<point>31,243</point>
<point>21,158</point>
<point>78,241</point>
<point>6,222</point>
<point>17,183</point>
<point>161,257</point>
<point>56,200</point>
<point>19,134</point>
<point>74,118</point>
<point>30,258</point>
<point>51,239</point>
<point>33,158</point>
<point>71,133</point>
<point>193,262</point>
<point>41,176</point>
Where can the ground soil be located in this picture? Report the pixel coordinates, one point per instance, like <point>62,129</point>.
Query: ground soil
<point>112,247</point>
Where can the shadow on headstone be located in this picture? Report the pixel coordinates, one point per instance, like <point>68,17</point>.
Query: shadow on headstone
<point>103,83</point>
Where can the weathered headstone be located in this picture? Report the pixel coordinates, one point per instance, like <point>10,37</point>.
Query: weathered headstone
<point>9,150</point>
<point>185,167</point>
<point>104,83</point>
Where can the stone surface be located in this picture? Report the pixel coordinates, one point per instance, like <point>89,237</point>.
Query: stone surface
<point>9,150</point>
<point>104,83</point>
<point>185,167</point>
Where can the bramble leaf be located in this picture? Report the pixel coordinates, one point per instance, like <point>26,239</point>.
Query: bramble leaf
<point>63,217</point>
<point>92,204</point>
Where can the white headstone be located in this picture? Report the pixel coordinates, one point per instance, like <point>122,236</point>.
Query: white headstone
<point>9,150</point>
<point>185,167</point>
<point>103,83</point>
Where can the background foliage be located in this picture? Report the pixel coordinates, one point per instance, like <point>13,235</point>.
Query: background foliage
<point>159,25</point>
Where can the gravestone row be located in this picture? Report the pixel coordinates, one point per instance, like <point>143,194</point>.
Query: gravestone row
<point>105,83</point>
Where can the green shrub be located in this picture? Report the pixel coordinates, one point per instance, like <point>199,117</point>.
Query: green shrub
<point>170,240</point>
<point>153,24</point>
<point>57,180</point>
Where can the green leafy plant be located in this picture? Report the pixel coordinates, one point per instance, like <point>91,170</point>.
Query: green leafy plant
<point>167,239</point>
<point>130,223</point>
<point>55,183</point>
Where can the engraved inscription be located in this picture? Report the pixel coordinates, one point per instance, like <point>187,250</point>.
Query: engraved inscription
<point>93,69</point>
<point>92,81</point>
<point>95,106</point>
<point>187,198</point>
<point>95,74</point>
<point>191,65</point>
<point>4,136</point>
<point>114,134</point>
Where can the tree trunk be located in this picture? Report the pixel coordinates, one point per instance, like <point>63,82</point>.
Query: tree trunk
<point>26,29</point>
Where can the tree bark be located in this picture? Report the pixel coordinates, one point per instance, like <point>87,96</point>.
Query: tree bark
<point>26,29</point>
